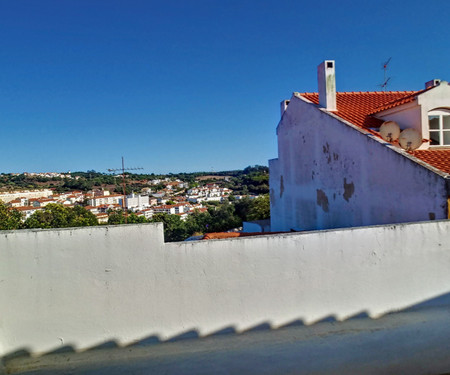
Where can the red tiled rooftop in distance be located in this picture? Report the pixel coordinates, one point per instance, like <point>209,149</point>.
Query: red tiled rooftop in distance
<point>224,235</point>
<point>355,107</point>
<point>27,208</point>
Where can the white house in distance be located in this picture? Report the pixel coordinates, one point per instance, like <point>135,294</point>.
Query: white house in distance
<point>105,199</point>
<point>135,202</point>
<point>29,194</point>
<point>334,169</point>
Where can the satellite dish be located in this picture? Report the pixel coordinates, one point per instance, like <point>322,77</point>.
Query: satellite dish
<point>410,139</point>
<point>389,131</point>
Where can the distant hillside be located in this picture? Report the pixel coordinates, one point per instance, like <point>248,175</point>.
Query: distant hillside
<point>253,180</point>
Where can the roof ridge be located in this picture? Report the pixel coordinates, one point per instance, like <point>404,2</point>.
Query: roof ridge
<point>392,103</point>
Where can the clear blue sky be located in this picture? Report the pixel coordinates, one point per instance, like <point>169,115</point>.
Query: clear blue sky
<point>190,85</point>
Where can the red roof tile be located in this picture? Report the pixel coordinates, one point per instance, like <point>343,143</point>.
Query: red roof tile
<point>439,159</point>
<point>355,107</point>
<point>27,208</point>
<point>223,235</point>
<point>396,102</point>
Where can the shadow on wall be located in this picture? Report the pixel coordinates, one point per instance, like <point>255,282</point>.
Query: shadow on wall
<point>193,335</point>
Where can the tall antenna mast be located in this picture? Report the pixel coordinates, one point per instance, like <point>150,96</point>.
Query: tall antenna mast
<point>386,79</point>
<point>123,169</point>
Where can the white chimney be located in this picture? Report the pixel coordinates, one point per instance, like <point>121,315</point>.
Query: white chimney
<point>283,106</point>
<point>327,85</point>
<point>432,83</point>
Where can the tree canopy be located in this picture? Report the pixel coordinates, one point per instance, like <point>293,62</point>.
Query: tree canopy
<point>9,218</point>
<point>59,216</point>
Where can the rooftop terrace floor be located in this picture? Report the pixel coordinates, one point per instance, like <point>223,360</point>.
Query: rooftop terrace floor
<point>412,342</point>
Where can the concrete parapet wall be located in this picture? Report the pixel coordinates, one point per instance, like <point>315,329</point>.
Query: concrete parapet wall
<point>87,286</point>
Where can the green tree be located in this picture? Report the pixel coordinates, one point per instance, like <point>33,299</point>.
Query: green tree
<point>259,208</point>
<point>242,208</point>
<point>59,216</point>
<point>9,218</point>
<point>116,217</point>
<point>198,222</point>
<point>134,219</point>
<point>223,218</point>
<point>174,227</point>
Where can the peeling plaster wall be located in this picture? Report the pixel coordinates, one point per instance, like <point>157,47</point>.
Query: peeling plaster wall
<point>329,175</point>
<point>87,286</point>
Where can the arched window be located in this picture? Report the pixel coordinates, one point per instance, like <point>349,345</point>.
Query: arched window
<point>439,123</point>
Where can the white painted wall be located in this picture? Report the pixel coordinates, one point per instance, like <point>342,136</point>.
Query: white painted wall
<point>329,175</point>
<point>84,286</point>
<point>437,97</point>
<point>406,116</point>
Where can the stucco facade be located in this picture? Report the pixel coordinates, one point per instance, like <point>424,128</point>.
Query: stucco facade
<point>331,173</point>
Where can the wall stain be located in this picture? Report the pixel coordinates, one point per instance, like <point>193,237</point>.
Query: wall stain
<point>335,156</point>
<point>432,215</point>
<point>281,186</point>
<point>326,148</point>
<point>272,197</point>
<point>322,200</point>
<point>349,189</point>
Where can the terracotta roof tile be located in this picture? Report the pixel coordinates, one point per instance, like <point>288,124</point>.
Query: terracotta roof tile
<point>355,107</point>
<point>439,159</point>
<point>396,102</point>
<point>223,235</point>
<point>27,208</point>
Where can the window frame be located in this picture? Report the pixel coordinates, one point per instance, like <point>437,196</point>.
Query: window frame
<point>440,113</point>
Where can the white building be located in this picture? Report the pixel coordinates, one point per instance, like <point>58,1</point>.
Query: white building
<point>147,213</point>
<point>136,202</point>
<point>27,211</point>
<point>334,169</point>
<point>105,199</point>
<point>102,218</point>
<point>18,202</point>
<point>210,192</point>
<point>29,194</point>
<point>41,202</point>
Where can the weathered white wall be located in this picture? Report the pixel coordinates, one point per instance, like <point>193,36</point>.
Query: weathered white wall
<point>329,175</point>
<point>82,287</point>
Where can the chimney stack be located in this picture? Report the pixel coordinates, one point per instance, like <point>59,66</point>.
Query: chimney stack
<point>327,85</point>
<point>432,83</point>
<point>283,106</point>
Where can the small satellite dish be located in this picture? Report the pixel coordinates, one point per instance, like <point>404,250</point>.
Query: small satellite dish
<point>410,139</point>
<point>389,131</point>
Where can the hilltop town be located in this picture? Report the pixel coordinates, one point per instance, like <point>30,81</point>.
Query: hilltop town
<point>48,200</point>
